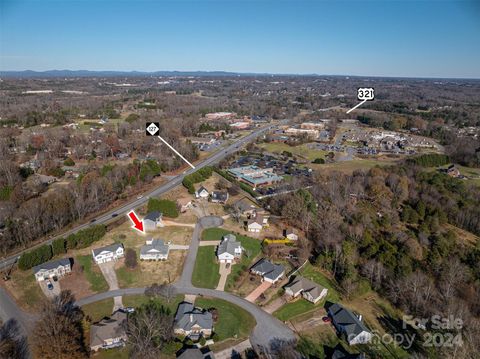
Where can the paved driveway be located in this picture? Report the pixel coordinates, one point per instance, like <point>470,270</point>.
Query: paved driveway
<point>209,243</point>
<point>108,271</point>
<point>224,271</point>
<point>258,291</point>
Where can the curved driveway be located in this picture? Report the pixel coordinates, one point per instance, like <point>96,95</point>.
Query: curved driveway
<point>268,328</point>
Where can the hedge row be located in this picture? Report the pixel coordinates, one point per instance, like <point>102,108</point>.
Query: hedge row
<point>430,160</point>
<point>196,177</point>
<point>81,239</point>
<point>167,207</point>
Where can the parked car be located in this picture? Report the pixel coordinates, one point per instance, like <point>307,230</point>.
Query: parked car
<point>326,319</point>
<point>128,309</point>
<point>49,285</point>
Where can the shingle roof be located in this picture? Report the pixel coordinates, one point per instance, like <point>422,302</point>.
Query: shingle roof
<point>157,245</point>
<point>109,248</point>
<point>153,216</point>
<point>267,269</point>
<point>345,318</point>
<point>52,264</point>
<point>306,285</point>
<point>108,328</point>
<point>187,316</point>
<point>228,245</point>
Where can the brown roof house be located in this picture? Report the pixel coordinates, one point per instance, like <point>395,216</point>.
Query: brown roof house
<point>109,332</point>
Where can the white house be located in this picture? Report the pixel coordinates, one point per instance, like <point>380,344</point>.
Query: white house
<point>154,249</point>
<point>52,269</point>
<point>108,253</point>
<point>229,249</point>
<point>256,223</point>
<point>202,192</point>
<point>152,221</point>
<point>291,235</point>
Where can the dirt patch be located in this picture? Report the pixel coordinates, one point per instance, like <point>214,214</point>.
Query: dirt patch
<point>77,284</point>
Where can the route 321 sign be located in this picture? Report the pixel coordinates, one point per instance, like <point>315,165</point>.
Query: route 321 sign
<point>365,93</point>
<point>152,128</point>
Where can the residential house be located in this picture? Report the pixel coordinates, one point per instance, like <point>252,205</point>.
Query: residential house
<point>340,353</point>
<point>202,192</point>
<point>309,290</point>
<point>245,207</point>
<point>290,234</point>
<point>184,203</point>
<point>256,223</point>
<point>219,197</point>
<point>193,322</point>
<point>349,325</point>
<point>53,269</point>
<point>229,249</point>
<point>152,221</point>
<point>453,171</point>
<point>195,353</point>
<point>269,271</point>
<point>108,253</point>
<point>109,332</point>
<point>154,249</point>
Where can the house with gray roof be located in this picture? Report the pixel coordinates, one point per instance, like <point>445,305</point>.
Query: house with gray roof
<point>219,197</point>
<point>152,221</point>
<point>308,289</point>
<point>349,325</point>
<point>229,249</point>
<point>193,322</point>
<point>53,269</point>
<point>108,253</point>
<point>245,206</point>
<point>154,249</point>
<point>109,332</point>
<point>270,272</point>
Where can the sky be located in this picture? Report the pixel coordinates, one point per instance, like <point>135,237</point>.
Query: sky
<point>433,38</point>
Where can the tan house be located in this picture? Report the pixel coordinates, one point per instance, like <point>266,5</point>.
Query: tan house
<point>308,289</point>
<point>109,332</point>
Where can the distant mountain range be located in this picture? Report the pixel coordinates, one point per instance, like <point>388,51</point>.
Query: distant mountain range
<point>88,73</point>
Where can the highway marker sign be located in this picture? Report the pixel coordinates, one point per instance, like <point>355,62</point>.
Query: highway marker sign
<point>364,94</point>
<point>152,129</point>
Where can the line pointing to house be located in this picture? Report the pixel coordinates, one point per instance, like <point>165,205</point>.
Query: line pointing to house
<point>358,105</point>
<point>174,150</point>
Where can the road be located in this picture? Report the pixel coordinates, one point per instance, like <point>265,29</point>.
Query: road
<point>9,310</point>
<point>268,329</point>
<point>175,181</point>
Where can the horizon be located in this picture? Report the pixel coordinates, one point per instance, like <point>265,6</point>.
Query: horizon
<point>348,38</point>
<point>11,73</point>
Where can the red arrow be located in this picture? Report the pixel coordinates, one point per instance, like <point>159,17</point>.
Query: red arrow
<point>137,224</point>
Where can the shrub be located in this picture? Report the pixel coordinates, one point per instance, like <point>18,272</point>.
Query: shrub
<point>130,258</point>
<point>196,177</point>
<point>430,160</point>
<point>59,246</point>
<point>35,257</point>
<point>318,161</point>
<point>69,162</point>
<point>167,207</point>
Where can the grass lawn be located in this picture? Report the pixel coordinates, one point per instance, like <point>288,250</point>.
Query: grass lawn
<point>25,289</point>
<point>92,274</point>
<point>99,310</point>
<point>291,310</point>
<point>214,234</point>
<point>138,300</point>
<point>233,321</point>
<point>205,273</point>
<point>115,353</point>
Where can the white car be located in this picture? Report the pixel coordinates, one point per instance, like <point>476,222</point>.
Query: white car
<point>140,197</point>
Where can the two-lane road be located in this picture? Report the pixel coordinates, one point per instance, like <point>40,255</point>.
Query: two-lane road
<point>124,209</point>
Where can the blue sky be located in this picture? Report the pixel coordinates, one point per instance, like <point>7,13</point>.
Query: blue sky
<point>380,38</point>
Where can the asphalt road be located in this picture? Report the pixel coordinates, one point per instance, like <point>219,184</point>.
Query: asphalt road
<point>124,209</point>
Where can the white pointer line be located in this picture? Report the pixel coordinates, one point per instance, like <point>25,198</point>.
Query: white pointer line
<point>174,150</point>
<point>360,104</point>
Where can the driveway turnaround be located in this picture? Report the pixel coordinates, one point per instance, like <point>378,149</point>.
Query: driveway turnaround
<point>108,270</point>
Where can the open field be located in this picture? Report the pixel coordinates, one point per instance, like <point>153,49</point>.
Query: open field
<point>301,150</point>
<point>25,290</point>
<point>92,273</point>
<point>98,310</point>
<point>205,273</point>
